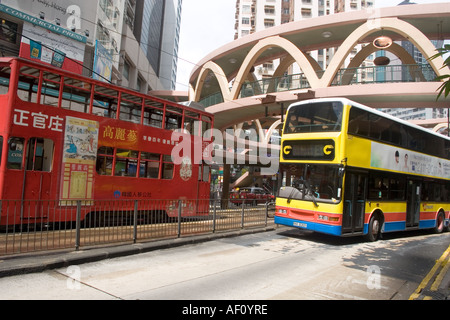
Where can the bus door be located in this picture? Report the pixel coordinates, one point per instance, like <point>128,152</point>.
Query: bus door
<point>413,203</point>
<point>36,184</point>
<point>354,202</point>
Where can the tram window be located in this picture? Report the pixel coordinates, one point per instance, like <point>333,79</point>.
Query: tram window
<point>105,102</point>
<point>5,75</point>
<point>153,113</point>
<point>206,173</point>
<point>105,159</point>
<point>76,95</point>
<point>190,119</point>
<point>28,84</point>
<point>149,165</point>
<point>51,83</point>
<point>206,125</point>
<point>174,117</point>
<point>15,153</point>
<point>130,108</point>
<point>167,168</point>
<point>39,156</point>
<point>126,163</point>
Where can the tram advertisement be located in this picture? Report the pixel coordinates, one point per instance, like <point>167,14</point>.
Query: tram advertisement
<point>79,159</point>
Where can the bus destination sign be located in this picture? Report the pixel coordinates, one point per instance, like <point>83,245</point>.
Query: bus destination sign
<point>309,150</point>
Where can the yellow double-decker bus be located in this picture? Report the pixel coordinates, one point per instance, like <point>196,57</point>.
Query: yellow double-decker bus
<point>351,170</point>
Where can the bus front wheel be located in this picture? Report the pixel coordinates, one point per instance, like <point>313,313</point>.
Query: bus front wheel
<point>374,228</point>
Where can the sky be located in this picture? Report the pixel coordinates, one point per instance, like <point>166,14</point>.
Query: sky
<point>207,25</point>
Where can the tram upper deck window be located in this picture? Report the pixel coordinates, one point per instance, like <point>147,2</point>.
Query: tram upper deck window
<point>105,102</point>
<point>153,113</point>
<point>130,108</point>
<point>5,75</point>
<point>174,118</point>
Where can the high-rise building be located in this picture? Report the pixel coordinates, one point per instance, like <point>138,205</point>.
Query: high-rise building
<point>257,15</point>
<point>127,42</point>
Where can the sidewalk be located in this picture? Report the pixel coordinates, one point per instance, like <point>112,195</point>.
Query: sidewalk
<point>41,261</point>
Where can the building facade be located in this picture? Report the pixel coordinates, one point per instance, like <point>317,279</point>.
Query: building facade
<point>256,15</point>
<point>126,42</point>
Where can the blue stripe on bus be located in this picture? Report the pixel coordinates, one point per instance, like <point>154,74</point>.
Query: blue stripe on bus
<point>427,224</point>
<point>308,225</point>
<point>391,226</point>
<point>401,226</point>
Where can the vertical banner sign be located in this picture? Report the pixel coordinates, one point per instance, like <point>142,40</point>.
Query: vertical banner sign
<point>79,159</point>
<point>103,63</point>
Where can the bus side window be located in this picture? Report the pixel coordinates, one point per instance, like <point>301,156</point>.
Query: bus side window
<point>39,155</point>
<point>15,153</point>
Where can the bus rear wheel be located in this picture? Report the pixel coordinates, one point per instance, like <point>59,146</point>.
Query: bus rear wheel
<point>374,228</point>
<point>440,221</point>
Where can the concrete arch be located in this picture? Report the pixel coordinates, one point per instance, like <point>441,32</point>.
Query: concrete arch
<point>392,24</point>
<point>221,79</point>
<point>396,49</point>
<point>440,126</point>
<point>271,129</point>
<point>260,47</point>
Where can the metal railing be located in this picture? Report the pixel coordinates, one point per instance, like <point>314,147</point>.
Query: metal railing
<point>344,77</point>
<point>39,225</point>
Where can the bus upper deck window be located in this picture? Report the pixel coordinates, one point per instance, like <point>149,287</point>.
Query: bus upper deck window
<point>15,153</point>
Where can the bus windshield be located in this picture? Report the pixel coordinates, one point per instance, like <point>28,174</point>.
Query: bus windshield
<point>316,183</point>
<point>314,117</point>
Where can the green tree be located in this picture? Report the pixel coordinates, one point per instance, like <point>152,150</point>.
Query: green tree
<point>445,87</point>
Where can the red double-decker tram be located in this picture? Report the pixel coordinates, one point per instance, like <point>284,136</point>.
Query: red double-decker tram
<point>68,138</point>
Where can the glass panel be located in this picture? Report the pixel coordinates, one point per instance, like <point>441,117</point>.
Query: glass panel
<point>149,165</point>
<point>130,108</point>
<point>315,117</point>
<point>39,155</point>
<point>105,102</point>
<point>126,163</point>
<point>5,75</point>
<point>76,95</point>
<point>50,89</point>
<point>15,153</point>
<point>153,113</point>
<point>105,161</point>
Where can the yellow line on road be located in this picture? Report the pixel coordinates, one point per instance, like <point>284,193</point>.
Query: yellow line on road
<point>430,275</point>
